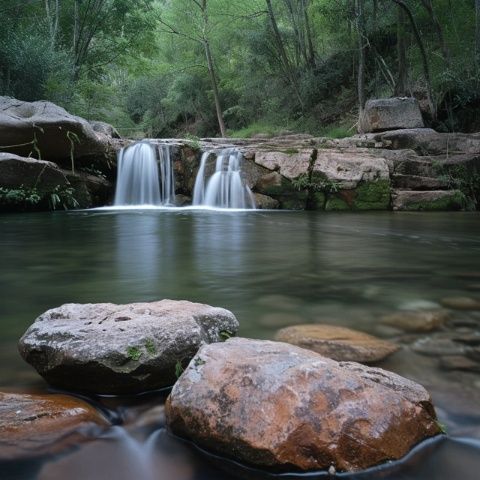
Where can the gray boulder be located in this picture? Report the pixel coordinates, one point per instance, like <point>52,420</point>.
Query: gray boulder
<point>391,114</point>
<point>28,128</point>
<point>435,200</point>
<point>29,172</point>
<point>121,349</point>
<point>104,128</point>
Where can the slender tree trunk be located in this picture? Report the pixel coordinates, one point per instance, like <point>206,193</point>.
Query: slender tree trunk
<point>428,5</point>
<point>477,31</point>
<point>308,32</point>
<point>211,70</point>
<point>283,54</point>
<point>423,53</point>
<point>361,56</point>
<point>53,14</point>
<point>402,79</point>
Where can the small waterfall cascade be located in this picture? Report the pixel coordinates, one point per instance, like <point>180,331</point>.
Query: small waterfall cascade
<point>145,176</point>
<point>226,188</point>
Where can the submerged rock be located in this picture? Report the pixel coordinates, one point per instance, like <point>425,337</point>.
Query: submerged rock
<point>461,303</point>
<point>277,406</point>
<point>121,349</point>
<point>338,343</point>
<point>422,321</point>
<point>33,425</point>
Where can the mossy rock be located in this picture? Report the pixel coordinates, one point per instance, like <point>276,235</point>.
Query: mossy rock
<point>433,201</point>
<point>336,204</point>
<point>372,196</point>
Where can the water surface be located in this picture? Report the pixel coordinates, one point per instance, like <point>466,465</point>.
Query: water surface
<point>271,269</point>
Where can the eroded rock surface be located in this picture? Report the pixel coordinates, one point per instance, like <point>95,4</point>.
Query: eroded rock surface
<point>33,425</point>
<point>338,343</point>
<point>277,406</point>
<point>117,349</point>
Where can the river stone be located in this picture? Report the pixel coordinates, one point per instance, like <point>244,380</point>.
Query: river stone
<point>461,303</point>
<point>423,321</point>
<point>33,425</point>
<point>291,164</point>
<point>277,406</point>
<point>338,343</point>
<point>121,349</point>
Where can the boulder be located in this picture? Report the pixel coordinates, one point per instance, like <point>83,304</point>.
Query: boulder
<point>422,321</point>
<point>104,128</point>
<point>461,303</point>
<point>391,114</point>
<point>16,171</point>
<point>45,129</point>
<point>338,343</point>
<point>435,200</point>
<point>280,407</point>
<point>264,202</point>
<point>90,190</point>
<point>33,424</point>
<point>121,349</point>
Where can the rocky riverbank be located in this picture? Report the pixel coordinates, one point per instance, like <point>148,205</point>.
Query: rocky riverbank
<point>267,404</point>
<point>410,169</point>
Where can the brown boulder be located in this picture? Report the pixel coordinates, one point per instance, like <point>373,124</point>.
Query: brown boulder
<point>33,425</point>
<point>423,321</point>
<point>339,343</point>
<point>281,407</point>
<point>461,303</point>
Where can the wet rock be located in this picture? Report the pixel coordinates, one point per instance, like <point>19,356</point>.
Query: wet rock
<point>423,321</point>
<point>119,349</point>
<point>33,425</point>
<point>277,406</point>
<point>264,202</point>
<point>338,343</point>
<point>435,200</point>
<point>391,114</point>
<point>459,362</point>
<point>461,303</point>
<point>439,345</point>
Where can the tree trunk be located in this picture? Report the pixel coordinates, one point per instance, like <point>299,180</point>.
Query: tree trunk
<point>283,54</point>
<point>211,71</point>
<point>477,31</point>
<point>361,56</point>
<point>426,67</point>
<point>428,5</point>
<point>402,79</point>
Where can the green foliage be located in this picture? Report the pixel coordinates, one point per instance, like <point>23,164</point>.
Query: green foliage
<point>315,183</point>
<point>150,347</point>
<point>460,177</point>
<point>28,197</point>
<point>225,335</point>
<point>134,353</point>
<point>179,369</point>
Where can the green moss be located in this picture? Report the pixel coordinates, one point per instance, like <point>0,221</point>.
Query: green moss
<point>134,353</point>
<point>335,204</point>
<point>150,347</point>
<point>455,201</point>
<point>290,151</point>
<point>372,196</point>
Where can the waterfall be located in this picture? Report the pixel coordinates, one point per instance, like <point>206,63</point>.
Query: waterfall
<point>225,188</point>
<point>145,176</point>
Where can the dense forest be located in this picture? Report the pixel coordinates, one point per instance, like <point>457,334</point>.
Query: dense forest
<point>210,67</point>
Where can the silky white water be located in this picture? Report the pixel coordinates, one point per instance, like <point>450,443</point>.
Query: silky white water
<point>226,188</point>
<point>145,176</point>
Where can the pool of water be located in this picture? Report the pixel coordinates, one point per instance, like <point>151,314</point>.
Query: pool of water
<point>272,269</point>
